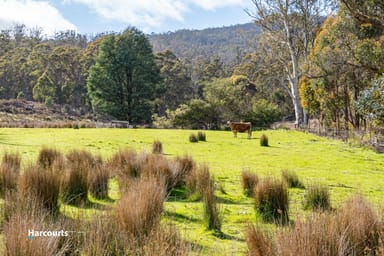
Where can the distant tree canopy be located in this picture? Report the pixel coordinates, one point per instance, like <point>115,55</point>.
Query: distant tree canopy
<point>125,80</point>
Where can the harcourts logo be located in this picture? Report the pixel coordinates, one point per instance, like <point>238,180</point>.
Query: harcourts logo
<point>57,233</point>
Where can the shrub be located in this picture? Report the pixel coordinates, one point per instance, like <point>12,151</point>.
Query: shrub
<point>98,181</point>
<point>193,138</point>
<point>9,172</point>
<point>157,147</point>
<point>271,200</point>
<point>264,140</point>
<point>291,179</point>
<point>201,136</point>
<point>43,186</point>
<point>258,243</point>
<point>76,126</point>
<point>47,156</point>
<point>249,181</point>
<point>317,198</point>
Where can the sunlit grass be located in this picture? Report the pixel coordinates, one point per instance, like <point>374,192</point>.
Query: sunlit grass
<point>345,169</point>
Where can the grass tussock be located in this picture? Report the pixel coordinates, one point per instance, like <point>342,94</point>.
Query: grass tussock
<point>193,138</point>
<point>157,147</point>
<point>41,185</point>
<point>201,136</point>
<point>140,208</point>
<point>9,172</point>
<point>47,157</point>
<point>212,213</point>
<point>271,200</point>
<point>264,140</point>
<point>291,178</point>
<point>317,198</point>
<point>126,164</point>
<point>353,230</point>
<point>249,181</point>
<point>75,183</point>
<point>184,167</point>
<point>258,243</point>
<point>29,213</point>
<point>98,181</point>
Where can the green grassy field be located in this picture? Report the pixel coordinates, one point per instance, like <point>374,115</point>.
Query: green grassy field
<point>344,168</point>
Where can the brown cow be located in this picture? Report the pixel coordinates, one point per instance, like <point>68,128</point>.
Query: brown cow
<point>240,127</point>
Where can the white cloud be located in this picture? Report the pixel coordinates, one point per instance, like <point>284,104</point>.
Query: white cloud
<point>151,13</point>
<point>33,14</point>
<point>137,12</point>
<point>215,4</point>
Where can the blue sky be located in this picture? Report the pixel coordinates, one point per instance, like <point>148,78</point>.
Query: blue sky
<point>94,16</point>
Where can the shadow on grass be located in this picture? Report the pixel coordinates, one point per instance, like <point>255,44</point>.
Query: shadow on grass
<point>221,235</point>
<point>180,217</point>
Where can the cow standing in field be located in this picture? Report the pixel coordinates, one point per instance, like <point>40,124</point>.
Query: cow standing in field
<point>240,127</point>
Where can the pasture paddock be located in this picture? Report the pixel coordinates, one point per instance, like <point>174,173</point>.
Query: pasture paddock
<point>344,168</point>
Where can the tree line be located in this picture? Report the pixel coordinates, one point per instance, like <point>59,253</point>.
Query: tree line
<point>308,60</point>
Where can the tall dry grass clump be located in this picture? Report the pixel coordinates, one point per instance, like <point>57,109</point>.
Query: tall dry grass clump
<point>206,186</point>
<point>184,167</point>
<point>9,172</point>
<point>47,156</point>
<point>249,181</point>
<point>353,230</point>
<point>258,243</point>
<point>74,188</point>
<point>271,200</point>
<point>157,147</point>
<point>98,181</point>
<point>197,181</point>
<point>317,198</point>
<point>140,208</point>
<point>42,185</point>
<point>126,164</point>
<point>160,168</point>
<point>28,214</point>
<point>360,226</point>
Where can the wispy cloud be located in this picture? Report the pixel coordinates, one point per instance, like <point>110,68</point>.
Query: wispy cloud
<point>151,13</point>
<point>215,4</point>
<point>33,14</point>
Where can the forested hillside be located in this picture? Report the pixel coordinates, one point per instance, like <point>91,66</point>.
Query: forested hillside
<point>229,44</point>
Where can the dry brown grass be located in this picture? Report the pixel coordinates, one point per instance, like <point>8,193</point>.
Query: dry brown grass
<point>75,186</point>
<point>353,230</point>
<point>42,185</point>
<point>9,172</point>
<point>98,181</point>
<point>157,147</point>
<point>140,207</point>
<point>47,156</point>
<point>28,213</point>
<point>271,200</point>
<point>249,181</point>
<point>258,243</point>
